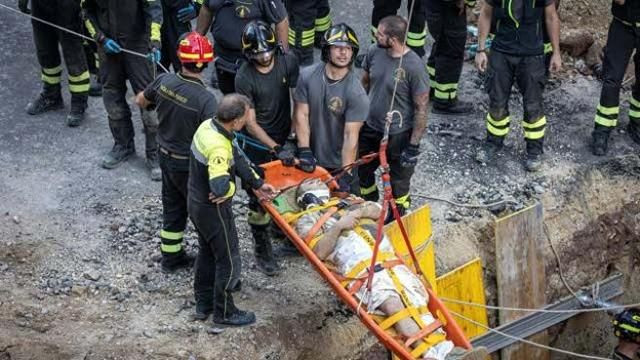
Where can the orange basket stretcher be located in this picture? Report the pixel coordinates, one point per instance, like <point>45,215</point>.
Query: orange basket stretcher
<point>283,178</point>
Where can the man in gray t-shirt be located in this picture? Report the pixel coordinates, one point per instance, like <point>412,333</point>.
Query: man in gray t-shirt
<point>330,108</point>
<point>412,97</point>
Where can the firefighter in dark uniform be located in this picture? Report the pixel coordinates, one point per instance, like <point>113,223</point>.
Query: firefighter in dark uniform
<point>266,79</point>
<point>623,38</point>
<point>176,15</point>
<point>308,21</point>
<point>517,55</point>
<point>215,162</point>
<point>182,103</point>
<point>417,35</point>
<point>447,22</point>
<point>137,29</point>
<point>626,326</point>
<point>93,63</point>
<point>227,19</point>
<point>65,13</point>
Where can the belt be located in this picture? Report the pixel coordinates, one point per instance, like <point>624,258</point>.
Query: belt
<point>632,24</point>
<point>173,155</point>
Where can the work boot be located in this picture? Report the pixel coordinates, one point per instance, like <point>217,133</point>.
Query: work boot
<point>173,262</point>
<point>600,142</point>
<point>78,107</point>
<point>95,87</point>
<point>477,353</point>
<point>202,312</point>
<point>263,251</point>
<point>634,132</point>
<point>48,100</point>
<point>118,154</point>
<point>488,152</point>
<point>237,318</point>
<point>533,162</point>
<point>455,108</point>
<point>287,248</point>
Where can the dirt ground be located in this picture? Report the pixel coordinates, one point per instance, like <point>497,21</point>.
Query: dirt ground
<point>78,276</point>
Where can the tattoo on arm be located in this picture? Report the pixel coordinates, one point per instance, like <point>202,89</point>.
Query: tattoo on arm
<point>420,117</point>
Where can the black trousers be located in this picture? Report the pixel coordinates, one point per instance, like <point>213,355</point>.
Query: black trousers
<point>449,30</point>
<point>308,20</point>
<point>226,81</point>
<point>175,176</point>
<point>115,70</point>
<point>529,73</point>
<point>369,142</point>
<point>64,13</point>
<point>621,42</point>
<point>417,34</point>
<point>218,265</point>
<point>171,30</point>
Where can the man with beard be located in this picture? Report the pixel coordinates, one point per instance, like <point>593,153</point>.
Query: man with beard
<point>381,73</point>
<point>330,107</point>
<point>266,79</point>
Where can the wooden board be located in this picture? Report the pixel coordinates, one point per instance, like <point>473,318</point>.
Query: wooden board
<point>520,274</point>
<point>465,283</point>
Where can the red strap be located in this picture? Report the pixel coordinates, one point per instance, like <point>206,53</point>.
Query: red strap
<point>314,230</point>
<point>424,332</point>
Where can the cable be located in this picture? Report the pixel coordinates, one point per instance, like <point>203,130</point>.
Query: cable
<point>471,206</point>
<point>565,311</point>
<point>525,341</point>
<point>124,50</point>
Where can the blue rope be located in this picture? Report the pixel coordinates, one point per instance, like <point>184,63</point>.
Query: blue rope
<point>244,139</point>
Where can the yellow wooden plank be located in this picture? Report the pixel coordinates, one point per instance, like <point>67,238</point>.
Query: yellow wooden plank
<point>418,226</point>
<point>465,283</point>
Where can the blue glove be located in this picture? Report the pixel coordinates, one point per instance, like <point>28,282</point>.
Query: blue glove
<point>409,156</point>
<point>154,55</point>
<point>307,160</point>
<point>111,46</point>
<point>187,13</point>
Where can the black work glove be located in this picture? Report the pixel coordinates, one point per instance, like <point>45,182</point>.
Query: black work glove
<point>344,183</point>
<point>287,156</point>
<point>23,5</point>
<point>409,156</point>
<point>307,160</point>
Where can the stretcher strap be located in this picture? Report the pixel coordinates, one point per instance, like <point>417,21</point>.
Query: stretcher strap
<point>361,266</point>
<point>393,319</point>
<point>359,282</point>
<point>318,225</point>
<point>424,332</point>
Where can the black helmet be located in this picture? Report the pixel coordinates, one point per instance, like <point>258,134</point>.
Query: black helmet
<point>340,34</point>
<point>257,38</point>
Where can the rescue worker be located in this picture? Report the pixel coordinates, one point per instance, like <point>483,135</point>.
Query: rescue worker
<point>177,16</point>
<point>517,54</point>
<point>330,108</point>
<point>623,38</point>
<point>215,162</point>
<point>412,100</point>
<point>266,79</point>
<point>308,21</point>
<point>182,103</point>
<point>65,13</point>
<point>227,19</point>
<point>626,327</point>
<point>417,35</point>
<point>137,29</point>
<point>346,240</point>
<point>447,22</point>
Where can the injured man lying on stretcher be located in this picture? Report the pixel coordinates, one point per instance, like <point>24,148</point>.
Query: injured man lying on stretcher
<point>345,241</point>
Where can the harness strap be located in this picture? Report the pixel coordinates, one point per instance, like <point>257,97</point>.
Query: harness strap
<point>393,319</point>
<point>294,217</point>
<point>424,332</point>
<point>318,225</point>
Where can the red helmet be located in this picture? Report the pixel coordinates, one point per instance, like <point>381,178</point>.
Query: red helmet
<point>195,48</point>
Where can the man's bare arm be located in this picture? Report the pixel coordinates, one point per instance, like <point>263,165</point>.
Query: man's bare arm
<point>420,117</point>
<point>282,33</point>
<point>142,101</point>
<point>350,142</point>
<point>204,20</point>
<point>301,123</point>
<point>258,132</point>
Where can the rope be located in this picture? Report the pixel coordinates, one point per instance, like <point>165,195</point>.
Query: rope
<point>471,206</point>
<point>529,342</point>
<point>404,45</point>
<point>251,141</point>
<point>62,28</point>
<point>566,311</point>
